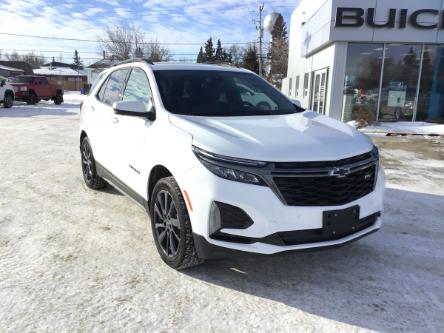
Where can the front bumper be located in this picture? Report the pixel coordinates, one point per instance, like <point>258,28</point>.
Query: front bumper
<point>22,96</point>
<point>209,250</point>
<point>269,214</point>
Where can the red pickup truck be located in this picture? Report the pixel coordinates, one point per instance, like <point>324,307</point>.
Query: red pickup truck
<point>31,89</point>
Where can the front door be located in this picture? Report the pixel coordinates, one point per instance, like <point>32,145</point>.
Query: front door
<point>319,90</point>
<point>131,135</point>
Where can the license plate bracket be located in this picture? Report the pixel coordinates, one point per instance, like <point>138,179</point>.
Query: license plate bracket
<point>340,222</point>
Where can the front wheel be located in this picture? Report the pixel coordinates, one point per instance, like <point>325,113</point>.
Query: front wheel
<point>8,101</point>
<point>171,226</point>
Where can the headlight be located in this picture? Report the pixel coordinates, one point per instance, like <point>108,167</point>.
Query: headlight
<point>24,88</point>
<point>221,166</point>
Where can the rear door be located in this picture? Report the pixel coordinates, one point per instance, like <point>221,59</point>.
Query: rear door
<point>44,88</point>
<point>101,115</point>
<point>132,135</point>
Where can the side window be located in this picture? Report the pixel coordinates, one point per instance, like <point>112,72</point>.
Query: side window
<point>138,87</point>
<point>306,77</point>
<point>290,84</point>
<point>114,87</point>
<point>101,92</point>
<point>296,89</point>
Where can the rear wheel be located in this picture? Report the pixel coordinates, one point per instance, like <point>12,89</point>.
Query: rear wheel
<point>92,180</point>
<point>58,99</point>
<point>8,101</point>
<point>171,226</point>
<point>32,98</point>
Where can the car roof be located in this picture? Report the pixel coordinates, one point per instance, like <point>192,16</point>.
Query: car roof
<point>159,66</point>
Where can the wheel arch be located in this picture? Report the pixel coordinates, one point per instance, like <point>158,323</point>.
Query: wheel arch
<point>157,172</point>
<point>9,91</point>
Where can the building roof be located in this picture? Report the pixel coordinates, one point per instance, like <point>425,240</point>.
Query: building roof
<point>11,69</point>
<point>58,64</point>
<point>64,71</point>
<point>27,68</point>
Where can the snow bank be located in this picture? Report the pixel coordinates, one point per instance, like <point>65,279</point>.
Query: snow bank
<point>401,127</point>
<point>73,96</point>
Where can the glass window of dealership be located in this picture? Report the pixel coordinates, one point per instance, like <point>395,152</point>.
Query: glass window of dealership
<point>394,81</point>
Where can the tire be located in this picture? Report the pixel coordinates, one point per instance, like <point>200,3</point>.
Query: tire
<point>171,226</point>
<point>58,99</point>
<point>8,101</point>
<point>92,180</point>
<point>32,98</point>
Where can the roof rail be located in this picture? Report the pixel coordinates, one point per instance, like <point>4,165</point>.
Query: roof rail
<point>223,63</point>
<point>133,60</point>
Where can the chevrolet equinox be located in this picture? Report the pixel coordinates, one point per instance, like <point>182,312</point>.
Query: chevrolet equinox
<point>225,164</point>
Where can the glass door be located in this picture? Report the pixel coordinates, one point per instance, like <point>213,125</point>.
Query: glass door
<point>399,82</point>
<point>319,91</point>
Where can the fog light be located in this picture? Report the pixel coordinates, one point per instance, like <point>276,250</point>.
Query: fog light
<point>223,216</point>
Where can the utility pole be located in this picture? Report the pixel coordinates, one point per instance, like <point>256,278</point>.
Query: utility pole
<point>261,36</point>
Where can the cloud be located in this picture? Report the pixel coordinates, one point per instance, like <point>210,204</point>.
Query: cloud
<point>173,21</point>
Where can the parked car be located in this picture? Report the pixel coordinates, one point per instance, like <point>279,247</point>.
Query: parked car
<point>220,175</point>
<point>31,89</point>
<point>6,93</point>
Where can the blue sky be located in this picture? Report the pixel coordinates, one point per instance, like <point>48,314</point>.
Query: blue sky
<point>168,21</point>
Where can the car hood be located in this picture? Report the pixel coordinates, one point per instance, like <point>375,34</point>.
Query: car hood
<point>306,136</point>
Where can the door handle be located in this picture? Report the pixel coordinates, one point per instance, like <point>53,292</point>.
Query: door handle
<point>115,120</point>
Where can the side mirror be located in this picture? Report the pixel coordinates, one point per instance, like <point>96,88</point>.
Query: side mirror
<point>135,109</point>
<point>2,83</point>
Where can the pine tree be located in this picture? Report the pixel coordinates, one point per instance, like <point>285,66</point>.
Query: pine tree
<point>219,56</point>
<point>208,55</point>
<point>251,59</point>
<point>278,52</point>
<point>77,62</point>
<point>200,56</point>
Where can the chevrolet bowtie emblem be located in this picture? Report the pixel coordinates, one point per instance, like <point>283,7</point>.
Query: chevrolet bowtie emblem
<point>339,172</point>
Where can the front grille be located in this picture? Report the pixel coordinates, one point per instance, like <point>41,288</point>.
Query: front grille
<point>326,190</point>
<point>323,164</point>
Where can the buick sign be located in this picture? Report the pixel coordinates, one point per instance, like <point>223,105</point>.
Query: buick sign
<point>356,17</point>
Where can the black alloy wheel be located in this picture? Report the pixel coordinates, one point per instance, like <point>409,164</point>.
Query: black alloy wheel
<point>166,223</point>
<point>171,226</point>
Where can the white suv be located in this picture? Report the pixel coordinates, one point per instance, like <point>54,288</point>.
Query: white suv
<point>220,174</point>
<point>6,93</point>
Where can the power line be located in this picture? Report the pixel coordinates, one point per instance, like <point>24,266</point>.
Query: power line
<point>96,41</point>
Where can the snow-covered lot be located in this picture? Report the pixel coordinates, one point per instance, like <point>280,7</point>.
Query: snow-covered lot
<point>75,260</point>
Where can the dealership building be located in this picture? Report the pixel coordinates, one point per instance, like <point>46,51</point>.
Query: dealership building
<point>377,60</point>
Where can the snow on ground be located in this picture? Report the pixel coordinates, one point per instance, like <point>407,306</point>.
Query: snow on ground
<point>403,127</point>
<point>73,259</point>
<point>73,96</point>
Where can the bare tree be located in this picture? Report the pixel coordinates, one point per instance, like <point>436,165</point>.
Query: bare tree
<point>154,51</point>
<point>122,42</point>
<point>236,52</point>
<point>13,56</point>
<point>35,60</point>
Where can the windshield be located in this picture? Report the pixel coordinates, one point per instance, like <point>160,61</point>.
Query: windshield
<point>219,93</point>
<point>23,79</point>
